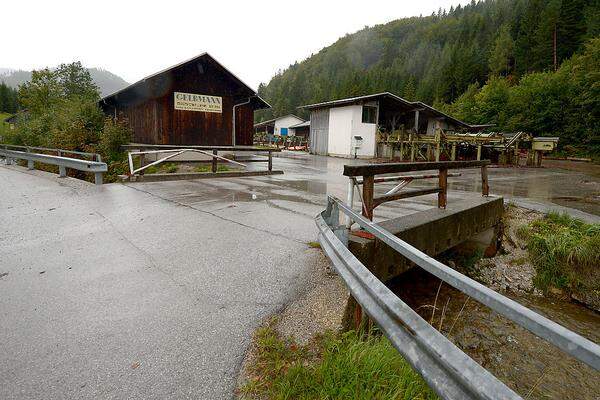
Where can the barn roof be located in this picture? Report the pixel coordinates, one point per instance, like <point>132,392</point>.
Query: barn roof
<point>137,88</point>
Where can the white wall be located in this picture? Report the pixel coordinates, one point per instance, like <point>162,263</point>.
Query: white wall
<point>286,122</point>
<point>344,124</point>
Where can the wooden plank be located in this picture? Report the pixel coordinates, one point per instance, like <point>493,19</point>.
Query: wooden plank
<point>377,169</point>
<point>404,195</point>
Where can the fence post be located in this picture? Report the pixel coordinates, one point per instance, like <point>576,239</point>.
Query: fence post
<point>214,162</point>
<point>142,162</point>
<point>368,183</point>
<point>62,171</point>
<point>98,178</point>
<point>443,182</point>
<point>30,164</point>
<point>270,160</point>
<point>485,187</point>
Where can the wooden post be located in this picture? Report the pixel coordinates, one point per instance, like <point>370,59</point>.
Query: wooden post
<point>478,152</point>
<point>142,163</point>
<point>214,162</point>
<point>453,152</point>
<point>412,152</point>
<point>516,157</point>
<point>368,186</point>
<point>270,160</point>
<point>443,183</point>
<point>437,151</point>
<point>485,187</point>
<point>402,148</point>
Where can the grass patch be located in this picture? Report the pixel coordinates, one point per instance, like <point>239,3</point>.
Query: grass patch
<point>565,252</point>
<point>163,168</point>
<point>208,168</point>
<point>344,366</point>
<point>314,245</point>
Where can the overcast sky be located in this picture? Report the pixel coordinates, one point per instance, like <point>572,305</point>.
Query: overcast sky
<point>254,39</point>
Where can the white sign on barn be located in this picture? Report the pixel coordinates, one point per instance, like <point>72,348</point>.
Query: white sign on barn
<point>198,102</point>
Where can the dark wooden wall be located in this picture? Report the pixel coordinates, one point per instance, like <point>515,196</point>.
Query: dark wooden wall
<point>149,108</point>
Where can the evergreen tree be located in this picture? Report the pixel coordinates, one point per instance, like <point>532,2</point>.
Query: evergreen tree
<point>501,59</point>
<point>571,28</point>
<point>546,37</point>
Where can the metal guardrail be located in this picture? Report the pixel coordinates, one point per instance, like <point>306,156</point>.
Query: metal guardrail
<point>59,152</point>
<point>141,150</point>
<point>448,371</point>
<point>95,167</point>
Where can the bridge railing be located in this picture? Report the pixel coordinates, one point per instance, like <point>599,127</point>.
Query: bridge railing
<point>169,152</point>
<point>37,154</point>
<point>449,372</point>
<point>369,171</point>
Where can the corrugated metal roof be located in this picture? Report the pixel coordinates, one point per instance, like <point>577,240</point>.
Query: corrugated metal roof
<point>301,124</point>
<point>351,100</point>
<point>270,121</point>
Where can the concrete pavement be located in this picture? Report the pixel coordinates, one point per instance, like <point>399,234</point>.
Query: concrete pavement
<point>153,290</point>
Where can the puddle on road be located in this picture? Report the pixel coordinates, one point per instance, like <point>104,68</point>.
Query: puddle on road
<point>532,367</point>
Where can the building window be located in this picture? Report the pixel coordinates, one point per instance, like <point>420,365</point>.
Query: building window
<point>369,115</point>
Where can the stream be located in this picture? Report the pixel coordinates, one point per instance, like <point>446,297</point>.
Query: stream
<point>527,364</point>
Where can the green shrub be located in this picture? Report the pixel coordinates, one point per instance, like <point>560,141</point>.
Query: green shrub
<point>565,252</point>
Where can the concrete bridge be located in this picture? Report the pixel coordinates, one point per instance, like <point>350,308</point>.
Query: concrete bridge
<point>152,290</point>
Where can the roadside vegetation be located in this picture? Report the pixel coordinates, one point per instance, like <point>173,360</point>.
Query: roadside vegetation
<point>59,109</point>
<point>332,366</point>
<point>3,125</point>
<point>565,252</point>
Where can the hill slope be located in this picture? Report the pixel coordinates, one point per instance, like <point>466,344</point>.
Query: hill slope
<point>434,59</point>
<point>106,81</point>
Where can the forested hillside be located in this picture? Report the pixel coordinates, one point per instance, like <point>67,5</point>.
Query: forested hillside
<point>106,81</point>
<point>438,58</point>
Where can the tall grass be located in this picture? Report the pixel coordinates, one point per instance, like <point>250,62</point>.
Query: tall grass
<point>565,252</point>
<point>345,366</point>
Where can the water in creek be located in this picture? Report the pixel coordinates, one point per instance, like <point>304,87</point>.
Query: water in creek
<point>529,365</point>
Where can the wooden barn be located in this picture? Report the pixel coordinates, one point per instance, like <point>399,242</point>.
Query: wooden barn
<point>191,103</point>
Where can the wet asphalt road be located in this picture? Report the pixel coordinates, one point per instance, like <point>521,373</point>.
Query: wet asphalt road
<point>153,290</point>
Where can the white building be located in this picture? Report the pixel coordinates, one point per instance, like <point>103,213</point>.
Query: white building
<point>279,126</point>
<point>348,127</point>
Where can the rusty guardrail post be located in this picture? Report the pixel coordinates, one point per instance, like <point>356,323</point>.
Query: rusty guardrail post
<point>368,188</point>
